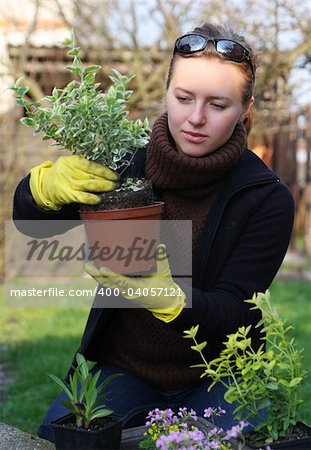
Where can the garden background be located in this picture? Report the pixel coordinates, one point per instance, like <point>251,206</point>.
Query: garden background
<point>136,37</point>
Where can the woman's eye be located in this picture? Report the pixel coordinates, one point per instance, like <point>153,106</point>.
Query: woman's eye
<point>218,106</point>
<point>183,99</point>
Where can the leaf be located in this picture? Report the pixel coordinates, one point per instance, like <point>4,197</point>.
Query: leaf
<point>18,82</point>
<point>108,380</point>
<point>295,381</point>
<point>73,69</point>
<point>63,386</point>
<point>199,347</point>
<point>190,334</point>
<point>82,365</point>
<point>265,403</point>
<point>23,90</point>
<point>89,78</point>
<point>198,365</point>
<point>74,386</point>
<point>93,399</point>
<point>230,397</point>
<point>68,42</point>
<point>59,131</point>
<point>103,412</point>
<point>21,102</point>
<point>83,383</point>
<point>94,381</point>
<point>284,382</point>
<point>74,51</point>
<point>28,122</point>
<point>70,86</point>
<point>92,68</point>
<point>273,385</point>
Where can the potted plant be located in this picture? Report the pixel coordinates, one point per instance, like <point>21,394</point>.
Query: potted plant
<point>265,383</point>
<point>94,124</point>
<point>90,425</point>
<point>167,430</point>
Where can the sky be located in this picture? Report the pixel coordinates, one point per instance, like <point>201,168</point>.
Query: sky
<point>148,30</point>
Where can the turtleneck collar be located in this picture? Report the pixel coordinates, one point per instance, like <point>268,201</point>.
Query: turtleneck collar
<point>170,169</point>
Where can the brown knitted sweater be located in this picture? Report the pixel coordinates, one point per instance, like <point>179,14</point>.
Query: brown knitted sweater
<point>135,339</point>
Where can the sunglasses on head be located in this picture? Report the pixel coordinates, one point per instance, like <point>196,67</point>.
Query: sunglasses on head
<point>231,50</point>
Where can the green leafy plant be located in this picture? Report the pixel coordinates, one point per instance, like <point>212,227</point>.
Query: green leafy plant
<point>85,121</point>
<point>84,397</point>
<point>264,383</point>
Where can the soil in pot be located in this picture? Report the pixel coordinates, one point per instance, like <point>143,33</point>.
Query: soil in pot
<point>103,433</point>
<point>300,439</point>
<point>125,197</point>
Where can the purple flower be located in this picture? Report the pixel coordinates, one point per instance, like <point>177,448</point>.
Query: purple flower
<point>197,435</point>
<point>188,440</point>
<point>166,417</point>
<point>235,431</point>
<point>214,444</point>
<point>185,436</point>
<point>193,414</point>
<point>208,412</point>
<point>213,431</point>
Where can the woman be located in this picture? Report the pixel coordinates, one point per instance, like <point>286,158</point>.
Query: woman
<point>241,214</point>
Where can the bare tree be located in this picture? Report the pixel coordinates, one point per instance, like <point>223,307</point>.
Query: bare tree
<point>136,37</point>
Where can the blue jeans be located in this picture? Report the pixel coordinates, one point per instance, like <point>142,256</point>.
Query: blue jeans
<point>132,398</point>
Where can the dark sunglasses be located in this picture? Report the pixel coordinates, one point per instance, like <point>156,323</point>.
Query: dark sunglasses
<point>231,50</point>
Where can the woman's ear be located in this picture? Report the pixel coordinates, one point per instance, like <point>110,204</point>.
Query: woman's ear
<point>247,117</point>
<point>247,110</point>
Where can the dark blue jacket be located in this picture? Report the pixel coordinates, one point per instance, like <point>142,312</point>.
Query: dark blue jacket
<point>241,247</point>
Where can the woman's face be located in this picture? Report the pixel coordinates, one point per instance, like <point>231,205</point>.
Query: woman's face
<point>204,104</point>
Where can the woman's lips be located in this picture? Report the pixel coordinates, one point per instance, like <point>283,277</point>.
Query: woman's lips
<point>195,138</point>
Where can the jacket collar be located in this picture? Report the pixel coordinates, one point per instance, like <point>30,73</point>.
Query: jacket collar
<point>250,171</point>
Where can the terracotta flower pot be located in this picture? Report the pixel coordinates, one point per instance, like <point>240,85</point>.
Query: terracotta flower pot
<point>124,240</point>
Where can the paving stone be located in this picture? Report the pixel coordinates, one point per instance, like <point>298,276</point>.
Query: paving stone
<point>12,438</point>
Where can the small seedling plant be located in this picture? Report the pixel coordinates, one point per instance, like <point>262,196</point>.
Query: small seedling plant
<point>265,383</point>
<point>84,397</point>
<point>84,120</point>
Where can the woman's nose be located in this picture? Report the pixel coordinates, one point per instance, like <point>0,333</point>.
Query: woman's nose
<point>197,116</point>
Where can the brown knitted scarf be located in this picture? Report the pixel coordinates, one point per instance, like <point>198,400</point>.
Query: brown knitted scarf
<point>134,339</point>
<point>186,184</point>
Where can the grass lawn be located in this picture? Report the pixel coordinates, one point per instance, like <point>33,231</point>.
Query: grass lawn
<point>36,342</point>
<point>292,300</point>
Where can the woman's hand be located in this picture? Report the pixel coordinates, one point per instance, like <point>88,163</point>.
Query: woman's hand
<point>71,179</point>
<point>156,292</point>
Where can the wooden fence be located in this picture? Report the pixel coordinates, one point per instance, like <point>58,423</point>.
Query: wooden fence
<point>286,148</point>
<point>46,65</point>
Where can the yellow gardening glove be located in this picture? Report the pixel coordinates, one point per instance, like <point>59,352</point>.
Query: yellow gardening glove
<point>156,292</point>
<point>71,179</point>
